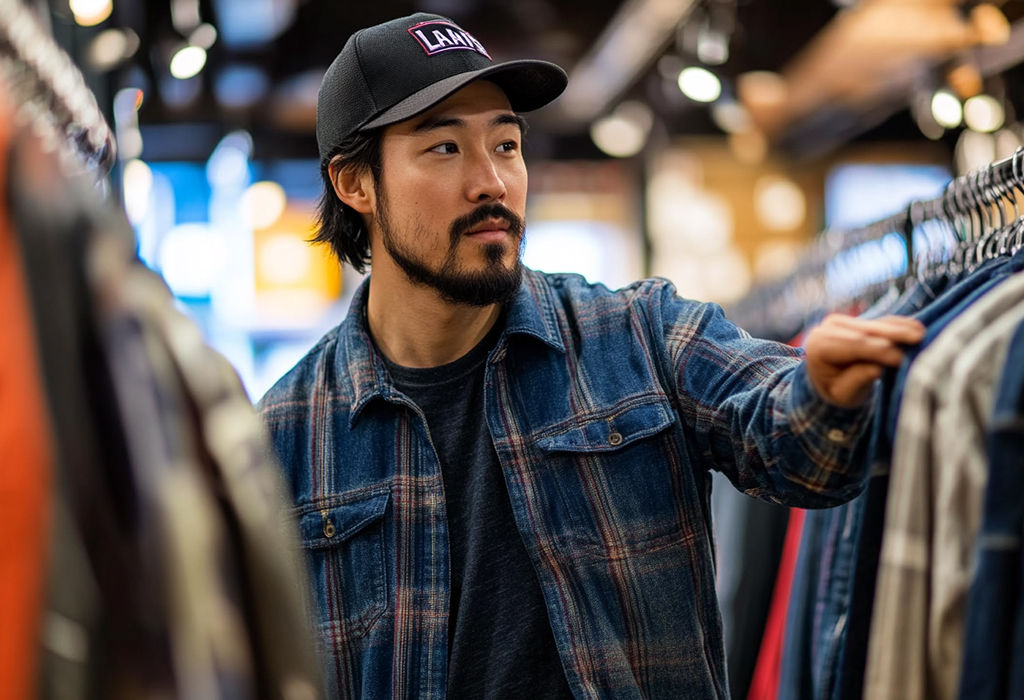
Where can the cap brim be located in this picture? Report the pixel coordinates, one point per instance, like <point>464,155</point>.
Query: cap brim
<point>528,84</point>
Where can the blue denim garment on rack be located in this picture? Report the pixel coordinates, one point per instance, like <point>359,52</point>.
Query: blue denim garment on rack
<point>993,654</point>
<point>830,608</point>
<point>871,504</point>
<point>818,615</point>
<point>940,314</point>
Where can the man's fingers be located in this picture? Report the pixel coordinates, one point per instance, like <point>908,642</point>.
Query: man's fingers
<point>841,346</point>
<point>900,329</point>
<point>852,385</point>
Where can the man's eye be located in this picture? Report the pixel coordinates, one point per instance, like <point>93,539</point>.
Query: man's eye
<point>508,147</point>
<point>446,149</point>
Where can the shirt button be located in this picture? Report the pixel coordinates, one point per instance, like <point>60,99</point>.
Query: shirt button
<point>328,528</point>
<point>615,439</point>
<point>836,435</point>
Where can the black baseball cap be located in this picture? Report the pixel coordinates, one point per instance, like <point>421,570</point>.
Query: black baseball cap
<point>393,71</point>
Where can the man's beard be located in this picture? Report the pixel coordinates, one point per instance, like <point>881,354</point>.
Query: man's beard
<point>494,284</point>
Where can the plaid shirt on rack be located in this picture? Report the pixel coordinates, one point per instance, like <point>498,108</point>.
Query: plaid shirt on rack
<point>607,409</point>
<point>932,514</point>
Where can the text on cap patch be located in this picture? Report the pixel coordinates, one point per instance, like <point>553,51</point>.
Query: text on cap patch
<point>437,37</point>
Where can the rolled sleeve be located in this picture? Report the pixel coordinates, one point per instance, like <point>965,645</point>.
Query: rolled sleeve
<point>755,415</point>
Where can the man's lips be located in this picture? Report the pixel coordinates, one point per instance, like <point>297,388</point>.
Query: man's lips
<point>490,231</point>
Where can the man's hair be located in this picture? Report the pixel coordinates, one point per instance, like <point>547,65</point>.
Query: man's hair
<point>339,225</point>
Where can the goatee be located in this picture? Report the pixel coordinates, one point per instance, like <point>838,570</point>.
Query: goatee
<point>496,283</point>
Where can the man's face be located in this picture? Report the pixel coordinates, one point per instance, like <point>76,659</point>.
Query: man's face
<point>452,198</point>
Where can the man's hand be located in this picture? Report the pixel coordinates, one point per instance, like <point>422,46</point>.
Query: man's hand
<point>845,354</point>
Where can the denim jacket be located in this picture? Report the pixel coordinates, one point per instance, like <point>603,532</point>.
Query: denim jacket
<point>607,409</point>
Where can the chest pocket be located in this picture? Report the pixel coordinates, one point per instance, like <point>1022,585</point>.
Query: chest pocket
<point>344,542</point>
<point>617,475</point>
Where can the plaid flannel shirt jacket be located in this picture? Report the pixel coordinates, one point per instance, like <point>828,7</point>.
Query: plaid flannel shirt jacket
<point>607,409</point>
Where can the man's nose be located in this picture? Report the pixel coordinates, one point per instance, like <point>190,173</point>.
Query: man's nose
<point>484,182</point>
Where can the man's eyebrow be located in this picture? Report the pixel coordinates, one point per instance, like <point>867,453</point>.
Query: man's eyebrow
<point>510,118</point>
<point>434,123</point>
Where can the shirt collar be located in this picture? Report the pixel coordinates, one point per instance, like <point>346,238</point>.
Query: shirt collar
<point>531,313</point>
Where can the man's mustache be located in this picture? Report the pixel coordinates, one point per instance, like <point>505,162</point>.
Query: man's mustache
<point>483,213</point>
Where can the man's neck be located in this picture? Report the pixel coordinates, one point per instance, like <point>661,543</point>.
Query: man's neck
<point>414,327</point>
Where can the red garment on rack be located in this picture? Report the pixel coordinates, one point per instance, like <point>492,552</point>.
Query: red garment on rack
<point>25,463</point>
<point>765,684</point>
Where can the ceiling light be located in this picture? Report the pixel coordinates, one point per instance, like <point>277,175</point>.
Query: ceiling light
<point>984,113</point>
<point>623,133</point>
<point>188,62</point>
<point>700,84</point>
<point>629,43</point>
<point>946,109</point>
<point>89,13</point>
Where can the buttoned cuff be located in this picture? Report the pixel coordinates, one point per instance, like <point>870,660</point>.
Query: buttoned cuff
<point>826,423</point>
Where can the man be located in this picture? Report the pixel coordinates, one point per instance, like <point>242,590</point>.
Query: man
<point>501,476</point>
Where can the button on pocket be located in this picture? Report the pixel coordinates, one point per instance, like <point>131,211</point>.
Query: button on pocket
<point>343,536</point>
<point>616,491</point>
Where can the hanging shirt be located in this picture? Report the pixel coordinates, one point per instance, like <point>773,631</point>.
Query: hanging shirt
<point>962,421</point>
<point>606,410</point>
<point>765,685</point>
<point>908,658</point>
<point>994,637</point>
<point>25,464</point>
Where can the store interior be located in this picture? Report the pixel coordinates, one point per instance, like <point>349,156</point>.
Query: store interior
<point>780,158</point>
<point>705,142</point>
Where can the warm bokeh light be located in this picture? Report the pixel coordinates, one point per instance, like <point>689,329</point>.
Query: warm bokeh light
<point>89,13</point>
<point>779,203</point>
<point>984,113</point>
<point>263,203</point>
<point>623,133</point>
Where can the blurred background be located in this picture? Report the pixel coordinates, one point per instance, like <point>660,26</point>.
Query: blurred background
<point>705,141</point>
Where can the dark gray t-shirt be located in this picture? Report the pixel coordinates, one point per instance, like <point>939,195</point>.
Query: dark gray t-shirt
<point>500,642</point>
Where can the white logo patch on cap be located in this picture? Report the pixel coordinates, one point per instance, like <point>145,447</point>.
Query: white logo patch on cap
<point>437,37</point>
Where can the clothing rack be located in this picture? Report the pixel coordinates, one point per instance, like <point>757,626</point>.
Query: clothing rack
<point>51,92</point>
<point>966,225</point>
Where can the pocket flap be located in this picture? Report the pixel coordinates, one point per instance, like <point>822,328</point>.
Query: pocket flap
<point>328,527</point>
<point>612,431</point>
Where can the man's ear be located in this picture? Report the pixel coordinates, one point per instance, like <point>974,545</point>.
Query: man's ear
<point>354,186</point>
